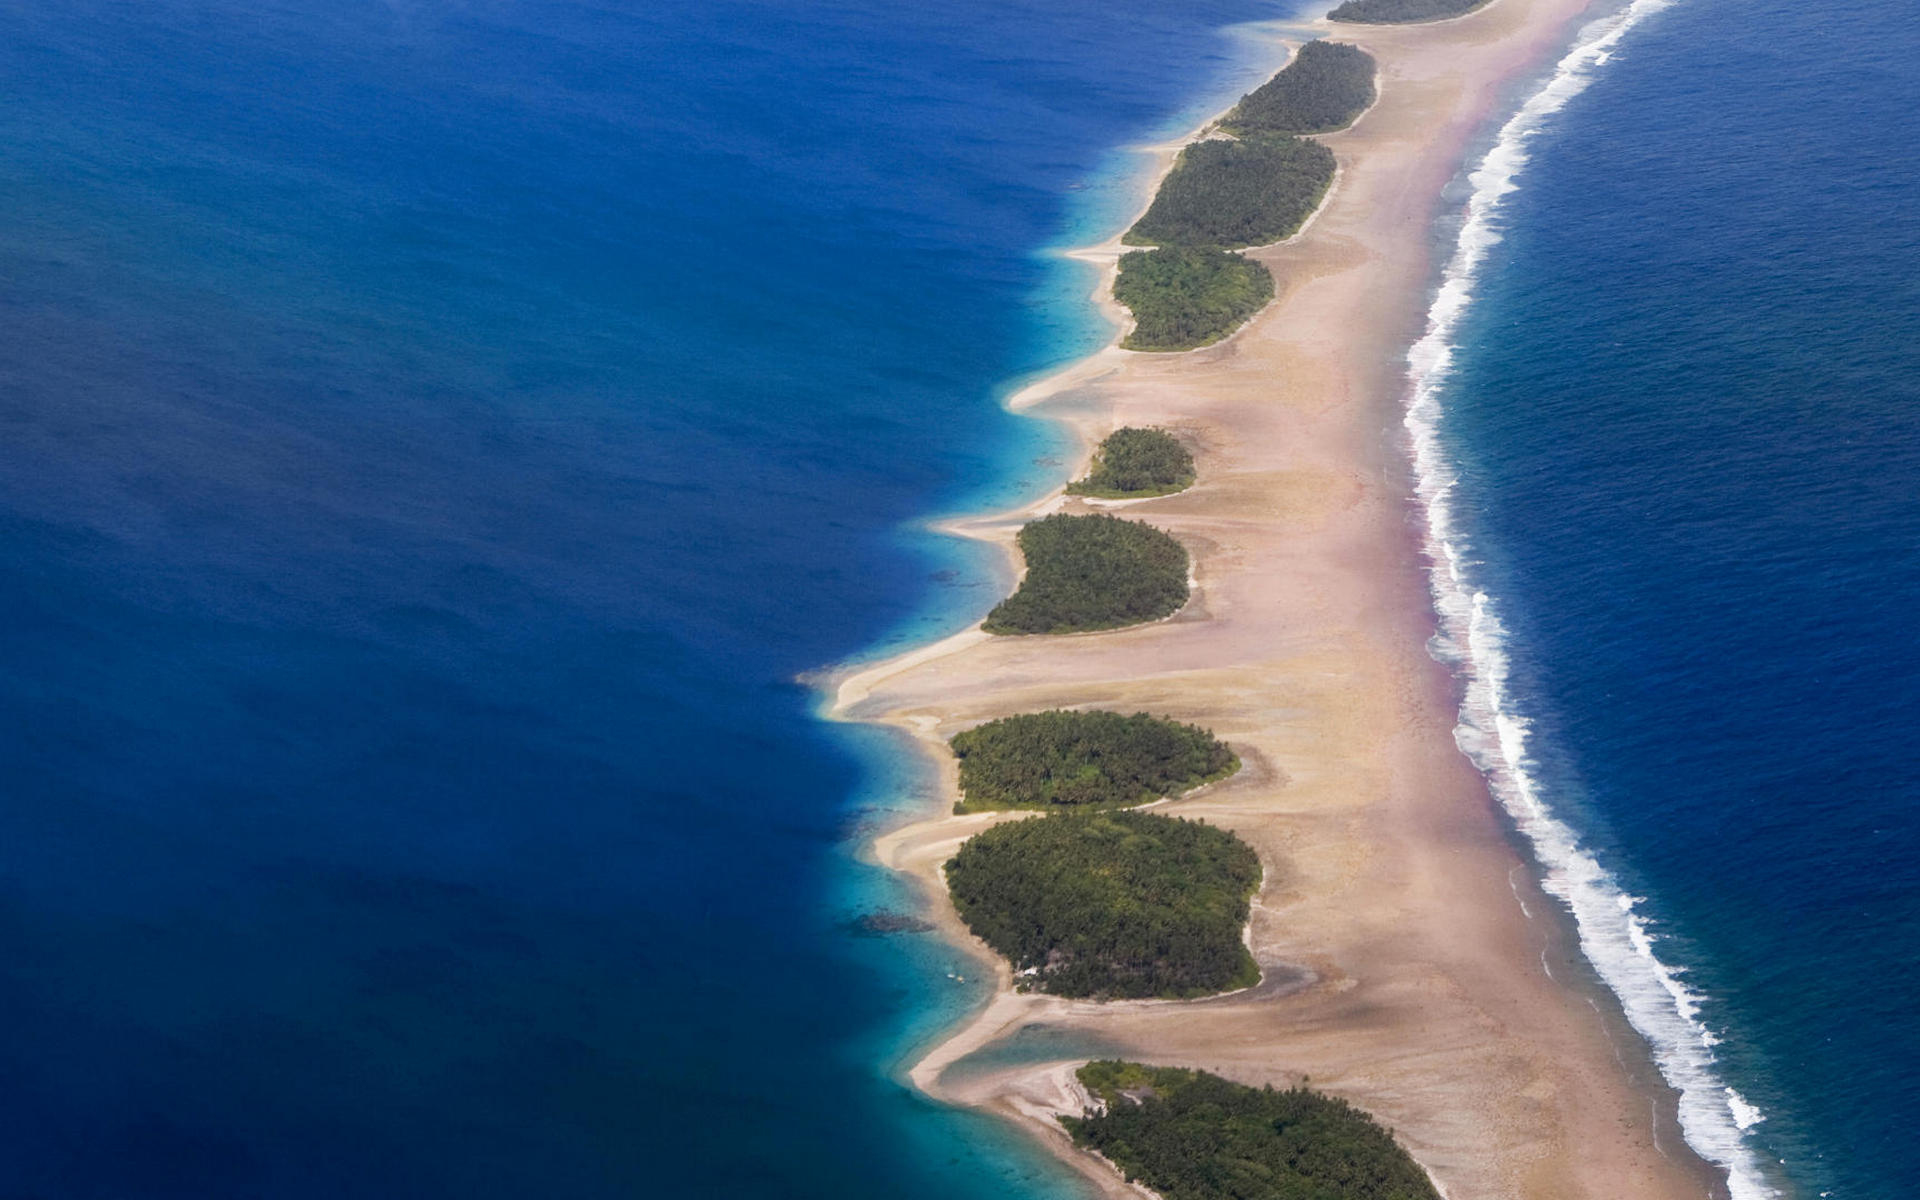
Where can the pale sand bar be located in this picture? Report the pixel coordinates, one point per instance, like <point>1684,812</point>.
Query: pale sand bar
<point>1404,944</point>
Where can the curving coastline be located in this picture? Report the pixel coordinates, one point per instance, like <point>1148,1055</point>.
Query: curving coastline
<point>1656,1002</point>
<point>1408,963</point>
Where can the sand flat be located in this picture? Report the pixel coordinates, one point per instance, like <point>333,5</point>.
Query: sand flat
<point>1405,947</point>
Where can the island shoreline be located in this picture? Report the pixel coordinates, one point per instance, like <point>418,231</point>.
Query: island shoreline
<point>1346,514</point>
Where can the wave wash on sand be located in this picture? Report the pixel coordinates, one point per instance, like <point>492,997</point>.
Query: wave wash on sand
<point>1492,730</point>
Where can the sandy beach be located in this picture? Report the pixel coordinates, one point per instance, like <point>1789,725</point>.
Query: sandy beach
<point>1410,964</point>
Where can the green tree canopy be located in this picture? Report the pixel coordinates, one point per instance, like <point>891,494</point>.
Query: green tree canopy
<point>1401,12</point>
<point>1092,572</point>
<point>1324,88</point>
<point>1136,462</point>
<point>1250,191</point>
<point>1188,296</point>
<point>1085,760</point>
<point>1189,1135</point>
<point>1111,905</point>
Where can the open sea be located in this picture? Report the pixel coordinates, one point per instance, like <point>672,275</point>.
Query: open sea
<point>436,436</point>
<point>1668,427</point>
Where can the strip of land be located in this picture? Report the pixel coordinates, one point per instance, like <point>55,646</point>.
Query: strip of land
<point>1409,964</point>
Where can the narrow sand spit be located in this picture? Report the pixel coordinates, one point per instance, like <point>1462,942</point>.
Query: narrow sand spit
<point>1405,948</point>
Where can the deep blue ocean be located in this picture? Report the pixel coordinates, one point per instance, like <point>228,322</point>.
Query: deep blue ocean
<point>438,434</point>
<point>1684,419</point>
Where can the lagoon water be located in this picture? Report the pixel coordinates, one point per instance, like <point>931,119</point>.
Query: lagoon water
<point>438,434</point>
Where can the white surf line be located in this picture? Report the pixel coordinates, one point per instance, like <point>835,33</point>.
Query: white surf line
<point>1713,1117</point>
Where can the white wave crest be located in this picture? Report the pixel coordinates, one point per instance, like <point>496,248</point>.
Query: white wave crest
<point>1492,732</point>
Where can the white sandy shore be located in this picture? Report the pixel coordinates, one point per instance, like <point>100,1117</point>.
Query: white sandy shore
<point>1404,947</point>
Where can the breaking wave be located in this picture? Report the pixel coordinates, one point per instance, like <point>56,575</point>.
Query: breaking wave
<point>1492,730</point>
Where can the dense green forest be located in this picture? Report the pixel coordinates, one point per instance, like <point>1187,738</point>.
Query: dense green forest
<point>1250,191</point>
<point>1254,189</point>
<point>1401,12</point>
<point>1324,88</point>
<point>1092,572</point>
<point>1136,462</point>
<point>1189,1135</point>
<point>1085,759</point>
<point>1188,296</point>
<point>1112,905</point>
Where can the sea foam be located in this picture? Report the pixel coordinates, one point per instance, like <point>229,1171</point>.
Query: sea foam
<point>1493,731</point>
